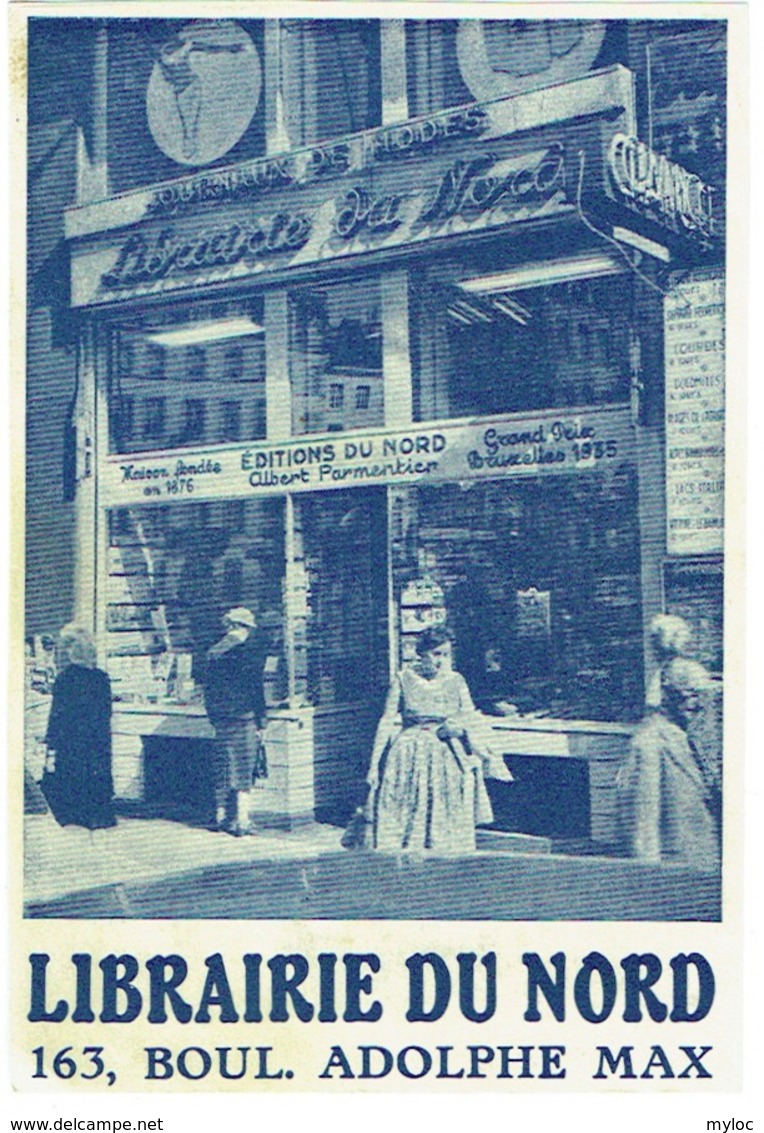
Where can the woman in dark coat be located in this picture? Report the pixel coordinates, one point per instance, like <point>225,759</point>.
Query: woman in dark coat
<point>79,789</point>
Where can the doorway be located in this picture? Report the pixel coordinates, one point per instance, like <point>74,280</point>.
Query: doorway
<point>344,540</point>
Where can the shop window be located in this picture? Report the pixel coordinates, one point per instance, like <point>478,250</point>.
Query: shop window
<point>217,348</point>
<point>330,78</point>
<point>124,419</point>
<point>342,540</point>
<point>432,72</point>
<point>259,422</point>
<point>335,339</point>
<point>231,425</point>
<point>234,512</point>
<point>538,336</point>
<point>173,572</point>
<point>687,97</point>
<point>155,414</point>
<point>547,626</point>
<point>233,581</point>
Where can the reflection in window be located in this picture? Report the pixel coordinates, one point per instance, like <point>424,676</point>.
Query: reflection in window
<point>154,418</point>
<point>197,364</point>
<point>494,344</point>
<point>548,625</point>
<point>154,362</point>
<point>128,416</point>
<point>335,345</point>
<point>194,430</point>
<point>126,359</point>
<point>219,349</point>
<point>234,364</point>
<point>231,424</point>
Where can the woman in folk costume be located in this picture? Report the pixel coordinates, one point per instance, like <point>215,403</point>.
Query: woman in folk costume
<point>78,782</point>
<point>427,765</point>
<point>235,703</point>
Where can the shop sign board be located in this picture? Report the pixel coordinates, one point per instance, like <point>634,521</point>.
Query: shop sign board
<point>483,189</point>
<point>661,190</point>
<point>694,348</point>
<point>550,442</point>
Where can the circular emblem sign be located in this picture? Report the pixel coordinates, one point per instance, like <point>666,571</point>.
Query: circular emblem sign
<point>503,57</point>
<point>203,91</point>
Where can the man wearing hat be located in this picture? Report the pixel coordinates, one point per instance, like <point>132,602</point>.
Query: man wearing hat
<point>235,703</point>
<point>669,792</point>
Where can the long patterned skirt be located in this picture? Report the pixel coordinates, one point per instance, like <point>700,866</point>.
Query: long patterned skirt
<point>430,796</point>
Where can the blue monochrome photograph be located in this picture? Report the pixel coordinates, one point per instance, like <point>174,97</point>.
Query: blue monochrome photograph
<point>375,466</point>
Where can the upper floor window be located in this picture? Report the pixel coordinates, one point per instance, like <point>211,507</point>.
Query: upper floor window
<point>195,415</point>
<point>234,363</point>
<point>154,419</point>
<point>330,78</point>
<point>196,366</point>
<point>154,361</point>
<point>231,422</point>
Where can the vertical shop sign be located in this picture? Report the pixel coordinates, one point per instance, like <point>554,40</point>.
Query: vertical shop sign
<point>694,346</point>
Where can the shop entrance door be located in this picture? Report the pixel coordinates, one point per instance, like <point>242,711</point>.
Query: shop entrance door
<point>344,538</point>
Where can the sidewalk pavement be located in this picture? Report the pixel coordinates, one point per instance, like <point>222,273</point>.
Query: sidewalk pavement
<point>155,868</point>
<point>63,860</point>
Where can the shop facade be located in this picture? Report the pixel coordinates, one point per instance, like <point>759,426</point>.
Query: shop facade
<point>385,355</point>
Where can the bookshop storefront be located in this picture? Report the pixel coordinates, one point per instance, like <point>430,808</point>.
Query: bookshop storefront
<point>362,387</point>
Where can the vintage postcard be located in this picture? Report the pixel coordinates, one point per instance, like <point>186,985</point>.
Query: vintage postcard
<point>378,399</point>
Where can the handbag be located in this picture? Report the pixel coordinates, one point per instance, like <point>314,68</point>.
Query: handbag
<point>260,763</point>
<point>51,789</point>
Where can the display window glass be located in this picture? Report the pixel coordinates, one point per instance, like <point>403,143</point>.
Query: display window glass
<point>188,377</point>
<point>335,356</point>
<point>173,571</point>
<point>341,538</point>
<point>488,340</point>
<point>550,626</point>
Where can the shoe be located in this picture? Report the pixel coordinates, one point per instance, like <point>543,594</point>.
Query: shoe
<point>218,821</point>
<point>237,829</point>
